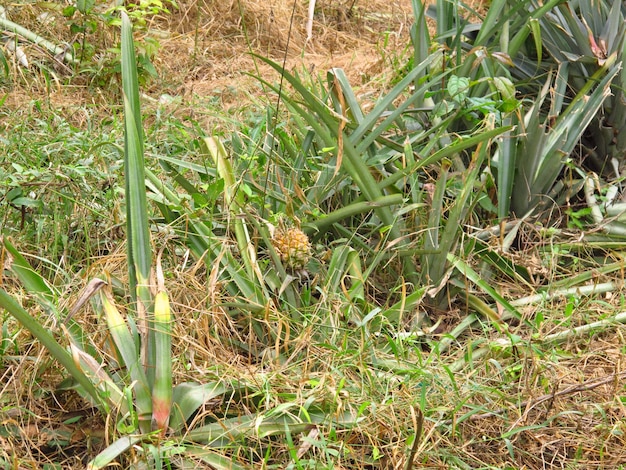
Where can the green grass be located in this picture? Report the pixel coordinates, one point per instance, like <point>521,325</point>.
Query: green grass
<point>343,361</point>
<point>51,161</point>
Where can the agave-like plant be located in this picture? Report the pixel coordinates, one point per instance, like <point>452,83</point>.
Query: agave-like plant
<point>380,158</point>
<point>530,160</point>
<point>586,34</point>
<point>574,91</point>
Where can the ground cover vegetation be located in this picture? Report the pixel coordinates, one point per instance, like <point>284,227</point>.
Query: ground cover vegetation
<point>394,242</point>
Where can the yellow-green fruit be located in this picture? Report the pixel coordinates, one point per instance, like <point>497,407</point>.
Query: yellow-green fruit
<point>293,246</point>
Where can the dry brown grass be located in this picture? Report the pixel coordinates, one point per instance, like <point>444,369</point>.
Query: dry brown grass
<point>344,35</point>
<point>206,46</point>
<point>560,405</point>
<point>555,406</point>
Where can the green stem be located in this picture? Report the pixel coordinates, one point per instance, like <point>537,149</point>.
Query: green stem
<point>36,39</point>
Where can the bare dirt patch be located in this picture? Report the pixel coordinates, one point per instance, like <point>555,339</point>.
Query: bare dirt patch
<point>206,46</point>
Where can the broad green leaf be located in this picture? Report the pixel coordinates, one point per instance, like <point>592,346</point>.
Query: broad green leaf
<point>458,87</point>
<point>113,451</point>
<point>505,87</point>
<point>188,397</point>
<point>85,6</point>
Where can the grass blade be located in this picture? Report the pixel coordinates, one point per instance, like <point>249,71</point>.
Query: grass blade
<point>466,270</point>
<point>32,282</point>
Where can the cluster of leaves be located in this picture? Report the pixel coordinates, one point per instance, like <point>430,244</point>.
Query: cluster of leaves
<point>134,384</point>
<point>91,26</point>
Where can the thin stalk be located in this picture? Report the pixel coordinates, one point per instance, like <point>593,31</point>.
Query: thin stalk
<point>567,335</point>
<point>36,39</point>
<point>576,291</point>
<point>559,338</point>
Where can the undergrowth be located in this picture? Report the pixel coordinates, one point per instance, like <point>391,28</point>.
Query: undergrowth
<point>415,320</point>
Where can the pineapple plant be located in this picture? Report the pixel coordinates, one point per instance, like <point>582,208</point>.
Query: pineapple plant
<point>293,247</point>
<point>584,35</point>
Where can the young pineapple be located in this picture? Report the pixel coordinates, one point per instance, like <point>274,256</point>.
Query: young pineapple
<point>293,247</point>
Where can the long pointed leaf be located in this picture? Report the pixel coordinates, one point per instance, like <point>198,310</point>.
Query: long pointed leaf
<point>48,341</point>
<point>128,350</point>
<point>138,230</point>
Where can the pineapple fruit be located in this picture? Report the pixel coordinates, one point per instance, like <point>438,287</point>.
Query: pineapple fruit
<point>293,247</point>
